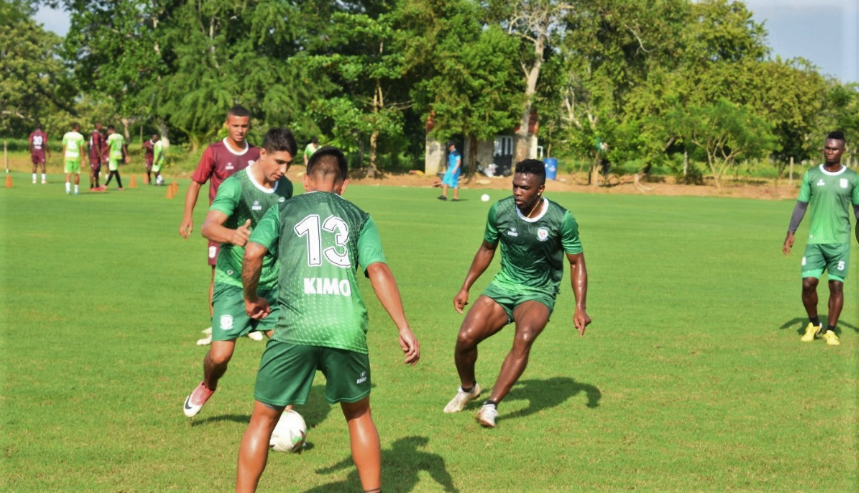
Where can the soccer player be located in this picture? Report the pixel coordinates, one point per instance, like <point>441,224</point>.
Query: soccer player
<point>241,202</point>
<point>310,149</point>
<point>149,156</point>
<point>118,152</point>
<point>451,176</point>
<point>830,189</point>
<point>74,146</point>
<point>96,151</point>
<point>38,147</point>
<point>319,240</point>
<point>157,160</point>
<point>535,234</point>
<point>218,162</point>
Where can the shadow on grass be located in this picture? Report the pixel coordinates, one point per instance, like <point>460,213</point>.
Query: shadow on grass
<point>543,394</point>
<point>400,467</point>
<point>803,322</point>
<point>314,411</point>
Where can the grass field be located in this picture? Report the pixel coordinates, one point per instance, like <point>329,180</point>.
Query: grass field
<point>691,377</point>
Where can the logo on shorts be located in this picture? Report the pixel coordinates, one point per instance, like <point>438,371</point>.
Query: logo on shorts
<point>843,183</point>
<point>512,232</point>
<point>229,272</point>
<point>803,260</point>
<point>226,322</point>
<point>542,234</point>
<point>256,206</point>
<point>820,182</point>
<point>363,378</point>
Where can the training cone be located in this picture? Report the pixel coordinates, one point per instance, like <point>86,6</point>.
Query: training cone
<point>132,183</point>
<point>170,193</point>
<point>175,188</point>
<point>8,180</point>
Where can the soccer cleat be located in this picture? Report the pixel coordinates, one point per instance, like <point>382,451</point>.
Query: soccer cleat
<point>255,336</point>
<point>831,338</point>
<point>461,398</point>
<point>195,401</point>
<point>442,197</point>
<point>486,416</point>
<point>810,332</point>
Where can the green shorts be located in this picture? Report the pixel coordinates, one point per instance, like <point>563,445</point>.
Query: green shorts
<point>833,257</point>
<point>510,298</point>
<point>72,166</point>
<point>286,374</point>
<point>113,164</point>
<point>229,318</point>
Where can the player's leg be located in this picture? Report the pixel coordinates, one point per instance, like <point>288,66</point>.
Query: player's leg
<point>216,362</point>
<point>253,454</point>
<point>44,173</point>
<point>456,193</point>
<point>35,160</point>
<point>531,318</point>
<point>813,263</point>
<point>364,439</point>
<point>837,263</point>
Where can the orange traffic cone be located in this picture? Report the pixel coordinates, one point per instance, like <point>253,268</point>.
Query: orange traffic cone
<point>8,180</point>
<point>170,193</point>
<point>132,183</point>
<point>175,188</point>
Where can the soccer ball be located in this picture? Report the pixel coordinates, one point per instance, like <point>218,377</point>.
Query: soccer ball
<point>485,197</point>
<point>289,434</point>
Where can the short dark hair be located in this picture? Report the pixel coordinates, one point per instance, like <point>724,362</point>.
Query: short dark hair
<point>280,139</point>
<point>837,135</point>
<point>75,126</point>
<point>38,126</point>
<point>239,111</point>
<point>328,161</point>
<point>111,127</point>
<point>532,167</point>
<point>314,140</point>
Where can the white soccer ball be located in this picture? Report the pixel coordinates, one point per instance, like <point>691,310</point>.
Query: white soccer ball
<point>289,434</point>
<point>485,197</point>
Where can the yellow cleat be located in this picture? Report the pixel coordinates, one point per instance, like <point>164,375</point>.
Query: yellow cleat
<point>811,331</point>
<point>831,338</point>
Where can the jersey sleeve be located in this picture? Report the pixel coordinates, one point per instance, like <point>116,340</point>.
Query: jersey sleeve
<point>206,168</point>
<point>856,192</point>
<point>805,188</point>
<point>268,228</point>
<point>491,234</point>
<point>570,234</point>
<point>369,245</point>
<point>228,197</point>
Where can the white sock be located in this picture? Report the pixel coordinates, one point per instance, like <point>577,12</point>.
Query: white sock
<point>34,177</point>
<point>68,187</point>
<point>76,189</point>
<point>44,177</point>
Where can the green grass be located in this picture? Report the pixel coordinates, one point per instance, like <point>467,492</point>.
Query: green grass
<point>691,377</point>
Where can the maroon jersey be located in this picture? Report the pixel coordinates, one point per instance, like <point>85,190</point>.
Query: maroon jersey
<point>150,151</point>
<point>219,162</point>
<point>96,147</point>
<point>38,143</point>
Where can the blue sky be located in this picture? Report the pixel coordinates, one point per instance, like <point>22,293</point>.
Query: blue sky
<point>826,32</point>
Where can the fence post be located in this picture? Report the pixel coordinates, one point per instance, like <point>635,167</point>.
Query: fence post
<point>790,176</point>
<point>5,156</point>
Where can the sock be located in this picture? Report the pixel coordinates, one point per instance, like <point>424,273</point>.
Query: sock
<point>44,177</point>
<point>34,177</point>
<point>76,189</point>
<point>467,390</point>
<point>491,403</point>
<point>831,327</point>
<point>814,321</point>
<point>68,187</point>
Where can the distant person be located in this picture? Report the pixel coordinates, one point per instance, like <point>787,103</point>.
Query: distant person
<point>310,149</point>
<point>241,202</point>
<point>38,147</point>
<point>149,156</point>
<point>158,159</point>
<point>535,235</point>
<point>451,176</point>
<point>219,161</point>
<point>74,147</point>
<point>830,189</point>
<point>97,146</point>
<point>118,153</point>
<point>319,240</point>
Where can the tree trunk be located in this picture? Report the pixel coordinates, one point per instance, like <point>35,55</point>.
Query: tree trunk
<point>125,128</point>
<point>162,129</point>
<point>530,89</point>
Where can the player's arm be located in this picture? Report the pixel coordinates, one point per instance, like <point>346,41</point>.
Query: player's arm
<point>31,145</point>
<point>214,230</point>
<point>125,152</point>
<point>385,287</point>
<point>479,264</point>
<point>579,282</point>
<point>795,219</point>
<point>201,175</point>
<point>256,306</point>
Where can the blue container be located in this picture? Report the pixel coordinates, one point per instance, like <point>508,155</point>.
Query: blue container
<point>551,168</point>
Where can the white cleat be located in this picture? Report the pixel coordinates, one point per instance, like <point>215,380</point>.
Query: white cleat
<point>461,398</point>
<point>486,416</point>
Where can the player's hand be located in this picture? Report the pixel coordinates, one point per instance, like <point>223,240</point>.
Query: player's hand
<point>127,159</point>
<point>460,300</point>
<point>410,346</point>
<point>241,234</point>
<point>186,227</point>
<point>257,309</point>
<point>581,319</point>
<point>789,239</point>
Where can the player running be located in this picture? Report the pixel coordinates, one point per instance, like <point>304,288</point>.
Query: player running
<point>241,202</point>
<point>158,161</point>
<point>320,239</point>
<point>218,162</point>
<point>830,189</point>
<point>535,234</point>
<point>74,147</point>
<point>96,151</point>
<point>149,156</point>
<point>38,146</point>
<point>118,152</point>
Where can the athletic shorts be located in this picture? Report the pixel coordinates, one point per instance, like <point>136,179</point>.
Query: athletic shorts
<point>214,249</point>
<point>451,180</point>
<point>148,163</point>
<point>286,374</point>
<point>832,257</point>
<point>95,164</point>
<point>72,166</point>
<point>509,299</point>
<point>112,164</point>
<point>229,318</point>
<point>37,158</point>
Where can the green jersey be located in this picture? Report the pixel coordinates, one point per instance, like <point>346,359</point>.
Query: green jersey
<point>73,142</point>
<point>240,197</point>
<point>158,153</point>
<point>829,195</point>
<point>115,142</point>
<point>532,249</point>
<point>321,239</point>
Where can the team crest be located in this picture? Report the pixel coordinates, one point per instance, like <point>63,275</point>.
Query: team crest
<point>843,183</point>
<point>542,234</point>
<point>226,322</point>
<point>256,206</point>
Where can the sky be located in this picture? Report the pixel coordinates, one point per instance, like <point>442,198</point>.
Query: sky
<point>825,32</point>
